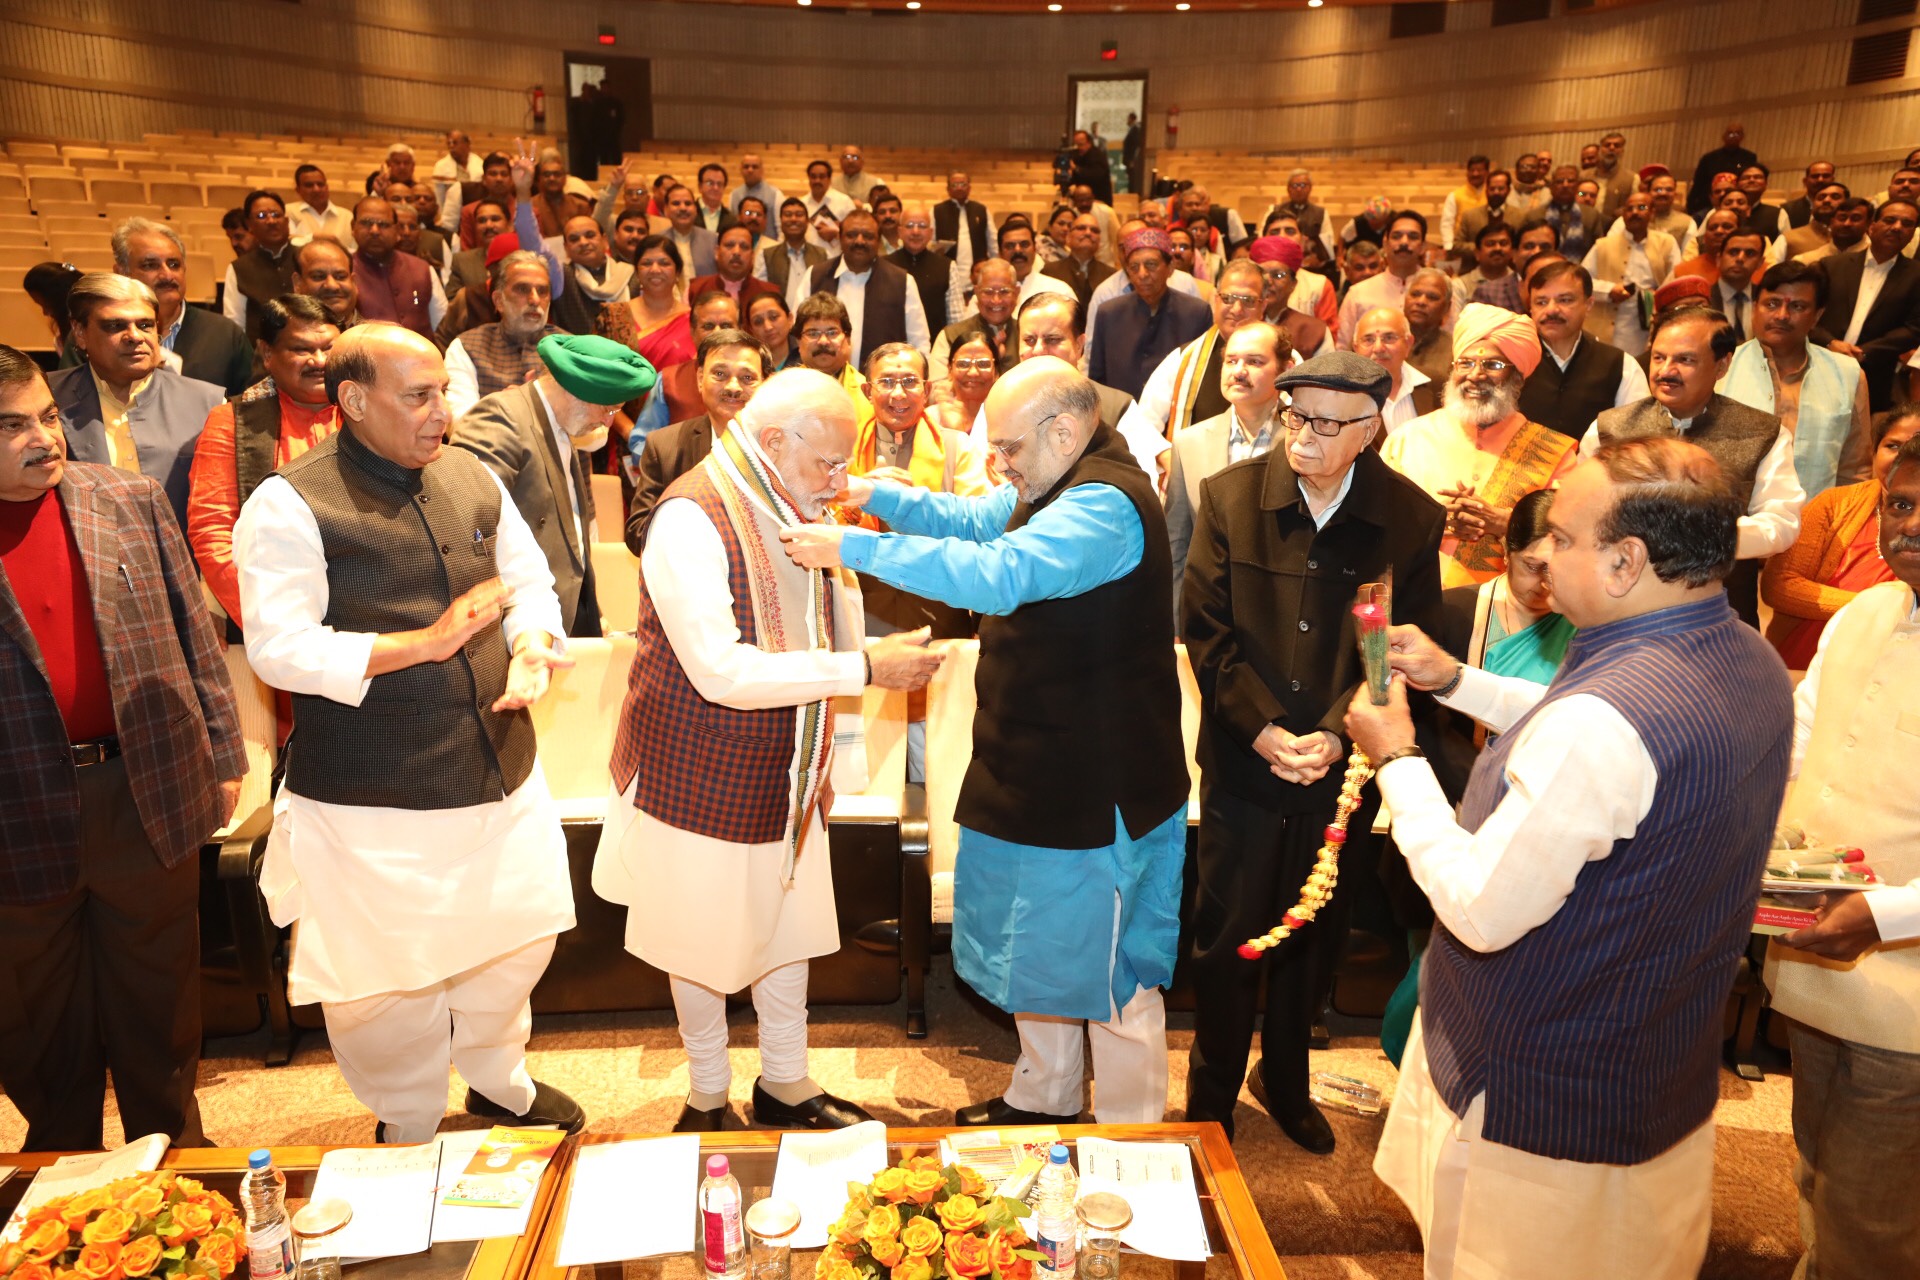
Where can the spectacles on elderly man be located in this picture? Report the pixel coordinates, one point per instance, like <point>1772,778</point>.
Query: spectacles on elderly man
<point>1467,364</point>
<point>1294,420</point>
<point>1009,450</point>
<point>833,468</point>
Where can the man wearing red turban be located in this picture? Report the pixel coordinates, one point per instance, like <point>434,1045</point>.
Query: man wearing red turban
<point>1478,454</point>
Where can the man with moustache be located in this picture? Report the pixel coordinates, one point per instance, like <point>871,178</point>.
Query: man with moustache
<point>1631,261</point>
<point>1384,337</point>
<point>123,754</point>
<point>1478,454</point>
<point>731,367</point>
<point>503,352</point>
<point>732,269</point>
<point>724,764</point>
<point>789,265</point>
<point>265,270</point>
<point>1817,229</point>
<point>1277,662</point>
<point>195,343</point>
<point>995,287</point>
<point>1427,304</point>
<point>248,437</point>
<point>1690,352</point>
<point>391,587</point>
<point>1580,375</point>
<point>1846,230</point>
<point>942,283</point>
<point>393,285</point>
<point>1186,386</point>
<point>883,303</point>
<point>1405,254</point>
<point>591,280</point>
<point>754,185</point>
<point>325,274</point>
<point>1076,797</point>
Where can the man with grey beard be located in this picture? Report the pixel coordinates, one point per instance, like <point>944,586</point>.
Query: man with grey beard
<point>1478,454</point>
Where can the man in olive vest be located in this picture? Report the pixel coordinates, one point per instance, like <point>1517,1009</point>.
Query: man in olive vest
<point>266,270</point>
<point>1691,349</point>
<point>268,425</point>
<point>1077,794</point>
<point>390,586</point>
<point>1850,986</point>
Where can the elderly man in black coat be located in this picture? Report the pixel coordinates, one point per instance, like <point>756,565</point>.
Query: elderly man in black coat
<point>1281,545</point>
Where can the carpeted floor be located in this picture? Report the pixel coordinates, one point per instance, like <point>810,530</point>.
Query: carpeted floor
<point>1328,1217</point>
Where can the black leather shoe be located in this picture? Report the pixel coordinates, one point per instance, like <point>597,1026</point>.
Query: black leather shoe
<point>995,1112</point>
<point>1299,1119</point>
<point>821,1111</point>
<point>550,1106</point>
<point>694,1120</point>
<point>380,1133</point>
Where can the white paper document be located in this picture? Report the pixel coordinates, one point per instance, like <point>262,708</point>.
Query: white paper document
<point>814,1169</point>
<point>391,1190</point>
<point>70,1175</point>
<point>631,1200</point>
<point>1156,1179</point>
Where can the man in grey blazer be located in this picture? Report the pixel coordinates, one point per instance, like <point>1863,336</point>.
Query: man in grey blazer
<point>1250,426</point>
<point>120,406</point>
<point>534,436</point>
<point>695,242</point>
<point>209,346</point>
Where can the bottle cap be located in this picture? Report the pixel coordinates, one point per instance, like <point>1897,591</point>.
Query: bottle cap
<point>716,1166</point>
<point>1059,1153</point>
<point>260,1159</point>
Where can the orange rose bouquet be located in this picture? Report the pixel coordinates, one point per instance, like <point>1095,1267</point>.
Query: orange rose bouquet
<point>920,1220</point>
<point>153,1224</point>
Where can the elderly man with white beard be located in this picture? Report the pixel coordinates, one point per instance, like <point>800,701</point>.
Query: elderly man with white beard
<point>725,763</point>
<point>1478,454</point>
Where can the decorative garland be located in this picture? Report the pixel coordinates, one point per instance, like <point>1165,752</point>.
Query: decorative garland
<point>1318,890</point>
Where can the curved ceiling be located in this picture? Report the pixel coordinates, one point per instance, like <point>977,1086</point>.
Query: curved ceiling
<point>1042,7</point>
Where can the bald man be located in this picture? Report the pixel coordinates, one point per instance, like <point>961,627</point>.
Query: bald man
<point>1384,337</point>
<point>715,838</point>
<point>393,285</point>
<point>393,589</point>
<point>1076,797</point>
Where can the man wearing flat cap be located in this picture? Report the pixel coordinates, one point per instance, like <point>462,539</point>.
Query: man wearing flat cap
<point>1281,544</point>
<point>536,437</point>
<point>1477,453</point>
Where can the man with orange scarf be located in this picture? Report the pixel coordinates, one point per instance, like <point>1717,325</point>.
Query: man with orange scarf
<point>1478,454</point>
<point>899,441</point>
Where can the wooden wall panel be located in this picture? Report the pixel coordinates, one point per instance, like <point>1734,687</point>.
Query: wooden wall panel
<point>1328,81</point>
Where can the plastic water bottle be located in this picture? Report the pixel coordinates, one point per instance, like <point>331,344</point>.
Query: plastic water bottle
<point>1056,1229</point>
<point>723,1240</point>
<point>263,1198</point>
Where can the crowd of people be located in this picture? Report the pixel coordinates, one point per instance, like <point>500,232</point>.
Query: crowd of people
<point>1589,429</point>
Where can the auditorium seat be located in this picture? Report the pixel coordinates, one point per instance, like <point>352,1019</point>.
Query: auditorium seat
<point>22,326</point>
<point>609,509</point>
<point>616,581</point>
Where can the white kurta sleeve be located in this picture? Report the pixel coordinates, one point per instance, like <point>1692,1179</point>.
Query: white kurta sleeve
<point>233,303</point>
<point>283,597</point>
<point>917,336</point>
<point>463,380</point>
<point>1772,521</point>
<point>1449,219</point>
<point>1578,780</point>
<point>684,568</point>
<point>1633,387</point>
<point>1494,701</point>
<point>437,304</point>
<point>1156,397</point>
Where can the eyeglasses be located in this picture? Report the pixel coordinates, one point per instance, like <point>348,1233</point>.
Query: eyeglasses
<point>1293,420</point>
<point>887,386</point>
<point>972,364</point>
<point>821,335</point>
<point>267,215</point>
<point>1241,300</point>
<point>1006,451</point>
<point>997,292</point>
<point>833,468</point>
<point>1467,364</point>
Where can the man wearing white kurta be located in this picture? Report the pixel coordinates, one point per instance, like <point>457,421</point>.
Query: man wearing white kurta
<point>396,592</point>
<point>1555,1108</point>
<point>727,753</point>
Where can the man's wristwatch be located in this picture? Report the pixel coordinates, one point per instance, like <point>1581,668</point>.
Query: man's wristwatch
<point>1400,754</point>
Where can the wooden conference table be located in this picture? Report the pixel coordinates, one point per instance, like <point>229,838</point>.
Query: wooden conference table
<point>1239,1239</point>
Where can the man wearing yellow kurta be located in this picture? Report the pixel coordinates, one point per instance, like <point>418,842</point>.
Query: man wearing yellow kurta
<point>1478,454</point>
<point>728,754</point>
<point>1851,983</point>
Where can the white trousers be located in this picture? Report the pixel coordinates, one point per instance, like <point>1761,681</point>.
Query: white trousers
<point>780,1003</point>
<point>394,1048</point>
<point>1129,1063</point>
<point>1493,1212</point>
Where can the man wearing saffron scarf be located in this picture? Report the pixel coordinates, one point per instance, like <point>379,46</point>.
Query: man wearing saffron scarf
<point>1478,454</point>
<point>725,760</point>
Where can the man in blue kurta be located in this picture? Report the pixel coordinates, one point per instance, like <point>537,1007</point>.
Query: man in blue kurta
<point>1073,812</point>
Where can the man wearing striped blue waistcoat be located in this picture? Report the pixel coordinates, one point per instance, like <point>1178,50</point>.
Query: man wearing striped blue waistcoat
<point>1555,1110</point>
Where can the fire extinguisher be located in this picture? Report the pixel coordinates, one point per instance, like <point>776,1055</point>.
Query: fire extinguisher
<point>537,97</point>
<point>1173,125</point>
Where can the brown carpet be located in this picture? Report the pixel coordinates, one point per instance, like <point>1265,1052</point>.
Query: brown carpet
<point>1328,1217</point>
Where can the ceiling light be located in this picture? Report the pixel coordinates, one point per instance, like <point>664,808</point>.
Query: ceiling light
<point>804,3</point>
<point>1315,4</point>
<point>913,4</point>
<point>1053,8</point>
<point>1183,6</point>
